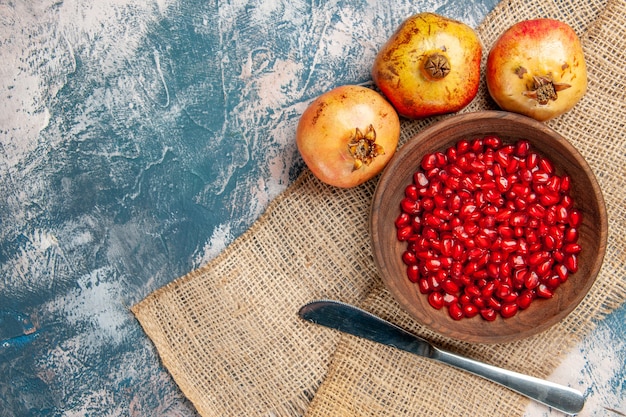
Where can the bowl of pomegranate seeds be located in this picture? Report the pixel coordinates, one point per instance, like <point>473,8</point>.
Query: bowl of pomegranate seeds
<point>488,227</point>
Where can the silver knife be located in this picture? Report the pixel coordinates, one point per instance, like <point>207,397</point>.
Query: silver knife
<point>358,322</point>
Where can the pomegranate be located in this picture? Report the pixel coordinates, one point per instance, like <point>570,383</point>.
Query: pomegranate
<point>537,68</point>
<point>347,135</point>
<point>489,228</point>
<point>430,66</point>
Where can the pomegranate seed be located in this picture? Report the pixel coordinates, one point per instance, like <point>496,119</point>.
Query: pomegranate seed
<point>419,178</point>
<point>571,235</point>
<point>558,234</point>
<point>442,213</point>
<point>488,314</point>
<point>503,214</point>
<point>476,145</point>
<point>494,303</point>
<point>532,161</point>
<point>413,272</point>
<point>558,255</point>
<point>571,262</point>
<point>416,223</point>
<point>449,299</point>
<point>483,241</point>
<point>543,291</point>
<point>509,245</point>
<point>472,290</point>
<point>432,264</point>
<point>410,192</point>
<point>526,175</point>
<point>531,236</point>
<point>549,199</point>
<point>432,174</point>
<point>451,154</point>
<point>402,220</point>
<point>410,206</point>
<point>546,165</point>
<point>565,183</point>
<point>409,258</point>
<point>572,248</point>
<point>502,157</point>
<point>428,161</point>
<point>470,310</point>
<point>554,184</point>
<point>432,220</point>
<point>455,311</point>
<point>493,270</point>
<point>508,310</point>
<point>462,146</point>
<point>467,210</point>
<point>522,147</point>
<point>540,177</point>
<point>566,201</point>
<point>575,218</point>
<point>427,204</point>
<point>424,285</point>
<point>479,302</point>
<point>544,268</point>
<point>433,282</point>
<point>502,291</point>
<point>549,242</point>
<point>457,250</point>
<point>538,257</point>
<point>520,204</point>
<point>552,282</point>
<point>435,299</point>
<point>512,166</point>
<point>518,219</point>
<point>550,216</point>
<point>468,183</point>
<point>494,197</point>
<point>478,274</point>
<point>537,210</point>
<point>562,272</point>
<point>440,160</point>
<point>531,280</point>
<point>446,262</point>
<point>492,142</point>
<point>497,256</point>
<point>478,166</point>
<point>518,261</point>
<point>404,233</point>
<point>524,299</point>
<point>450,286</point>
<point>453,182</point>
<point>465,299</point>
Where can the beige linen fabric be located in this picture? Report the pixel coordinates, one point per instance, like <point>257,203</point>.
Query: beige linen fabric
<point>228,332</point>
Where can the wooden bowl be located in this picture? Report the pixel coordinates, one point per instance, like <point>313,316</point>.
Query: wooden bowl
<point>542,313</point>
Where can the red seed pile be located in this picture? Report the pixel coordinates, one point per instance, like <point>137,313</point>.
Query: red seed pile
<point>489,228</point>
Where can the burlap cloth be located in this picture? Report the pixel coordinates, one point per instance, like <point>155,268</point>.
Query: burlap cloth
<point>228,332</point>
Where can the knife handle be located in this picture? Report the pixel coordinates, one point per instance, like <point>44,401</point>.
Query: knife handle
<point>559,397</point>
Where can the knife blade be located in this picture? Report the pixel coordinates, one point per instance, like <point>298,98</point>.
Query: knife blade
<point>357,322</point>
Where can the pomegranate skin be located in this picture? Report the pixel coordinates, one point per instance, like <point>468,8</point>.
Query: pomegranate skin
<point>531,50</point>
<point>400,68</point>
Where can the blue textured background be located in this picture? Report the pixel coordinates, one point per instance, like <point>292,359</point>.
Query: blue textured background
<point>137,140</point>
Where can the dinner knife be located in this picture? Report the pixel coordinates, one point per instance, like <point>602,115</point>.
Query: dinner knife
<point>355,321</point>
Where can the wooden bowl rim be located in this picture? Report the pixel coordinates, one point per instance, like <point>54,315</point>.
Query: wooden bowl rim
<point>446,124</point>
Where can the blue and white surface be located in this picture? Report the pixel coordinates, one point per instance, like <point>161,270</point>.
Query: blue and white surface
<point>137,140</point>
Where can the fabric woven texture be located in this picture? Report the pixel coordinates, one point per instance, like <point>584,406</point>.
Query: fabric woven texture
<point>228,332</point>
